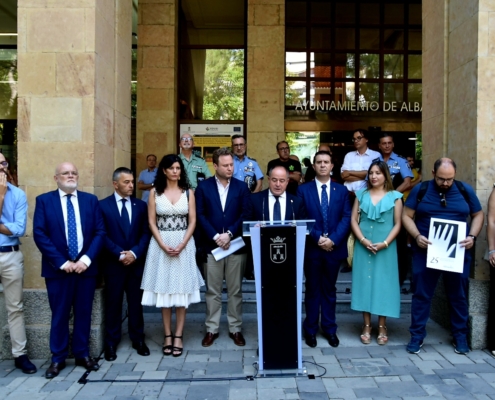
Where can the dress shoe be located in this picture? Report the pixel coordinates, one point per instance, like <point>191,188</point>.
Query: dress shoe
<point>23,363</point>
<point>54,369</point>
<point>209,339</point>
<point>110,353</point>
<point>141,348</point>
<point>88,363</point>
<point>332,338</point>
<point>237,338</point>
<point>310,339</point>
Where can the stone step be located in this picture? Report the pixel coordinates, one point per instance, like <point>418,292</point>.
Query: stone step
<point>344,289</point>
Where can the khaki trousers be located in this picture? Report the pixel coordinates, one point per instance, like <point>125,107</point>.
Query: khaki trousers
<point>12,275</point>
<point>232,267</point>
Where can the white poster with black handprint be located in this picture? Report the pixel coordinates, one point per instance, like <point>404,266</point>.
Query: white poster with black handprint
<point>444,252</point>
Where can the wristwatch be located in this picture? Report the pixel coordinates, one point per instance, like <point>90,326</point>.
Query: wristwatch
<point>230,235</point>
<point>472,236</point>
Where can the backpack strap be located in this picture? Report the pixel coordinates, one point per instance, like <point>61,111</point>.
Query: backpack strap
<point>460,187</point>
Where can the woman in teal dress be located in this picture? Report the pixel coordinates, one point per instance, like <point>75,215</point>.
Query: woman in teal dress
<point>376,221</point>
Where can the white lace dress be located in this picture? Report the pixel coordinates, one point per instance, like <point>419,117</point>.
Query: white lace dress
<point>171,281</point>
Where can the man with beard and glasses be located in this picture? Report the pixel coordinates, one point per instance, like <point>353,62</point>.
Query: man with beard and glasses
<point>69,231</point>
<point>442,197</point>
<point>196,167</point>
<point>13,210</point>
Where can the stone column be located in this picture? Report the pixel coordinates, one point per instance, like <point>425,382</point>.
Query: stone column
<point>73,105</point>
<point>459,112</point>
<point>157,80</point>
<point>265,79</point>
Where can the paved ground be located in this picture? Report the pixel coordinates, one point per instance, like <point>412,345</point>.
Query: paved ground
<point>219,372</point>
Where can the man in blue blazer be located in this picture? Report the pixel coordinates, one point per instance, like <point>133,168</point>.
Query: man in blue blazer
<point>122,261</point>
<point>222,204</point>
<point>264,203</point>
<point>328,204</point>
<point>69,232</point>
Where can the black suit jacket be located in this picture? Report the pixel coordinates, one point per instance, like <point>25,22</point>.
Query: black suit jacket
<point>116,240</point>
<point>294,208</point>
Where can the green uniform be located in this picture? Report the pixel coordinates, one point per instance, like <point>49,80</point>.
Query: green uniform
<point>196,169</point>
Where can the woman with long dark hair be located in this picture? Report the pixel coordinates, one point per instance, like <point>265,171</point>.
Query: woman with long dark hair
<point>171,277</point>
<point>376,221</point>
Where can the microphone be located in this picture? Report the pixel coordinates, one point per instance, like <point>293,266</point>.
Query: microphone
<point>293,214</point>
<point>263,211</point>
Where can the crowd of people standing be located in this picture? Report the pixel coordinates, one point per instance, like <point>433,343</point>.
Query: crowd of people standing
<point>158,250</point>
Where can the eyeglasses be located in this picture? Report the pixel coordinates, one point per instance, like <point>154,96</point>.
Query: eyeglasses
<point>69,173</point>
<point>186,139</point>
<point>238,145</point>
<point>443,200</point>
<point>283,148</point>
<point>4,164</point>
<point>357,139</point>
<point>441,181</point>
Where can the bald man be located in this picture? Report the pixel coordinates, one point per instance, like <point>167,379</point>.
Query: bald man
<point>69,231</point>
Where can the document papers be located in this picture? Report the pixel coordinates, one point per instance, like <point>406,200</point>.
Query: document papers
<point>445,253</point>
<point>235,245</point>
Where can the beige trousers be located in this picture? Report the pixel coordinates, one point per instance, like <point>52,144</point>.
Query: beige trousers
<point>232,267</point>
<point>12,275</point>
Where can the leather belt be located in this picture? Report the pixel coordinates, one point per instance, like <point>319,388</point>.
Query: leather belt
<point>8,249</point>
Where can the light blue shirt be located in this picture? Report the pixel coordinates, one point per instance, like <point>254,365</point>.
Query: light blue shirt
<point>398,165</point>
<point>14,215</point>
<point>147,177</point>
<point>247,171</point>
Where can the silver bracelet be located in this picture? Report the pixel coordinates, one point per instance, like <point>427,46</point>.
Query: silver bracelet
<point>491,252</point>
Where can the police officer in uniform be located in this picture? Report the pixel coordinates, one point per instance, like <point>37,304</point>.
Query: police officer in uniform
<point>195,166</point>
<point>246,169</point>
<point>401,174</point>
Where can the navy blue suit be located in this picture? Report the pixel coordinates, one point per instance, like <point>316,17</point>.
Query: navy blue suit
<point>120,278</point>
<point>211,218</point>
<point>294,208</point>
<point>322,267</point>
<point>67,290</point>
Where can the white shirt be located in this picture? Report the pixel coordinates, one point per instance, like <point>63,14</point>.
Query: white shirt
<point>80,238</point>
<point>271,203</point>
<point>223,191</point>
<point>118,199</point>
<point>354,161</point>
<point>318,187</point>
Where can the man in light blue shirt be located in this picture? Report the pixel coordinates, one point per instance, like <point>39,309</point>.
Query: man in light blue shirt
<point>146,178</point>
<point>246,169</point>
<point>13,209</point>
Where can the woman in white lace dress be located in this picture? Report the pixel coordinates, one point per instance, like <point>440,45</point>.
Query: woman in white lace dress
<point>171,277</point>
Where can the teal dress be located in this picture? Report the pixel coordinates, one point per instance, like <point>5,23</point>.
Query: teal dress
<point>375,277</point>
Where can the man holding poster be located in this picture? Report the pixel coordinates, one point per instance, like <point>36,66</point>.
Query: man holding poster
<point>445,198</point>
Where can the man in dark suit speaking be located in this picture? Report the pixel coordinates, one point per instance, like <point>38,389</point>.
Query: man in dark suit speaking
<point>122,262</point>
<point>328,204</point>
<point>275,203</point>
<point>69,232</point>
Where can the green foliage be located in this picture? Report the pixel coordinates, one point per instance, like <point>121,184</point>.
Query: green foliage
<point>8,84</point>
<point>224,85</point>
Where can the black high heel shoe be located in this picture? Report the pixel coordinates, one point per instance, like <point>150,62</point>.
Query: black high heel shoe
<point>179,349</point>
<point>167,349</point>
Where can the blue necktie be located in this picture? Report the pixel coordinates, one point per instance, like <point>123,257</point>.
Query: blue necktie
<point>71,229</point>
<point>125,218</point>
<point>324,208</point>
<point>277,215</point>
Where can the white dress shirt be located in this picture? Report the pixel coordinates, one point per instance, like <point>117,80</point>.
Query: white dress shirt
<point>223,191</point>
<point>318,188</point>
<point>118,199</point>
<point>354,161</point>
<point>283,205</point>
<point>80,238</point>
